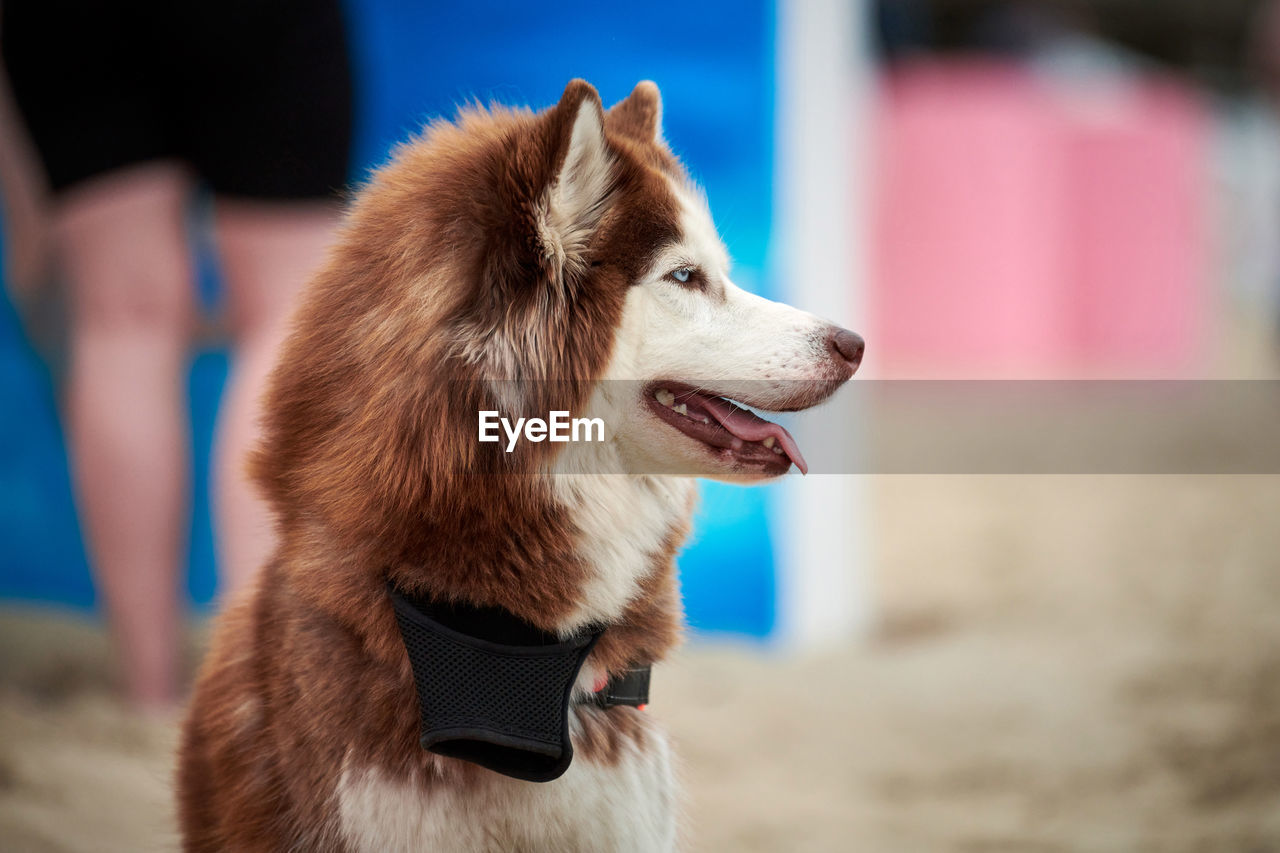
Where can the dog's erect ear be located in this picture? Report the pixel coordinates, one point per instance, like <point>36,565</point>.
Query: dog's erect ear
<point>639,115</point>
<point>576,198</point>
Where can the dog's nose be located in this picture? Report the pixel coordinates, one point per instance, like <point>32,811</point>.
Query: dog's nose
<point>848,346</point>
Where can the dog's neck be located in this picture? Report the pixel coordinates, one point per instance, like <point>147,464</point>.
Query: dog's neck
<point>626,523</point>
<point>562,550</point>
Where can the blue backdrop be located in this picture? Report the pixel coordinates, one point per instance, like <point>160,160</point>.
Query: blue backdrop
<point>415,61</point>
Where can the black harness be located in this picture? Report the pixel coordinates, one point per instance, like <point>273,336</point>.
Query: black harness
<point>495,690</point>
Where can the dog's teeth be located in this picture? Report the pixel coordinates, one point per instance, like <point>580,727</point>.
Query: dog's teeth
<point>665,397</point>
<point>769,442</point>
<point>683,409</point>
<point>704,420</point>
<point>778,450</point>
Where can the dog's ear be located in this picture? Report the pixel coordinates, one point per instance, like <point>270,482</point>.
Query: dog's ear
<point>639,115</point>
<point>579,191</point>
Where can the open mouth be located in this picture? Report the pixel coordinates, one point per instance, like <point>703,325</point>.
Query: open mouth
<point>732,432</point>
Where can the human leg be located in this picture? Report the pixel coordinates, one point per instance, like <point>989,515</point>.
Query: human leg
<point>122,241</point>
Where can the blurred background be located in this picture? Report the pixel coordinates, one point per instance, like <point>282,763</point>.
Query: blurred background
<point>986,189</point>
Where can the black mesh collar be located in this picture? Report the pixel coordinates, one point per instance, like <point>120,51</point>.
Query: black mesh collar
<point>494,690</point>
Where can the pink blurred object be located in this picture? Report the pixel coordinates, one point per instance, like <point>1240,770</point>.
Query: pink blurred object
<point>1025,228</point>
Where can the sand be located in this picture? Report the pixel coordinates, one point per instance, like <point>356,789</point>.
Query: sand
<point>1057,664</point>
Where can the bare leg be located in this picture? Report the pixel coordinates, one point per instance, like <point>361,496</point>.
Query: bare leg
<point>268,251</point>
<point>123,243</point>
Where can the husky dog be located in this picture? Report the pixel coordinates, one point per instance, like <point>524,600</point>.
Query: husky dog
<point>517,262</point>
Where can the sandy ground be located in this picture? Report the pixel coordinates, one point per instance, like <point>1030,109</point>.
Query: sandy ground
<point>1059,664</point>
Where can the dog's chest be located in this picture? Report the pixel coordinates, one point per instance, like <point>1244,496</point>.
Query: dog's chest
<point>624,806</point>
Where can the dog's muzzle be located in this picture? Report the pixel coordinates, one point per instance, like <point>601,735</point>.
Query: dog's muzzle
<point>494,690</point>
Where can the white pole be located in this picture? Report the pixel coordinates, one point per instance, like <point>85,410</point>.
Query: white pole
<point>824,80</point>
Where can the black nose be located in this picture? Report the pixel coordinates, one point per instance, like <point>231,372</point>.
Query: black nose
<point>849,346</point>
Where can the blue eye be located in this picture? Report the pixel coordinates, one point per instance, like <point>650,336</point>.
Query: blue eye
<point>682,275</point>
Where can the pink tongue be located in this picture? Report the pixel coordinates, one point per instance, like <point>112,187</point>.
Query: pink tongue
<point>748,426</point>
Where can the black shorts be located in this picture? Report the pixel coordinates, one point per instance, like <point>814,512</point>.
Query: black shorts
<point>254,95</point>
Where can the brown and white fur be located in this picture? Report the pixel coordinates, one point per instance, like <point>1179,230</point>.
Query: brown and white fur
<point>500,249</point>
